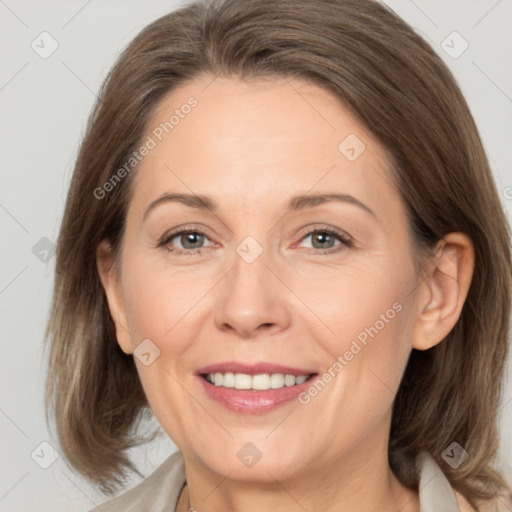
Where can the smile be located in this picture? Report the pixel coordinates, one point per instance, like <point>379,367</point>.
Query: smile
<point>259,382</point>
<point>254,393</point>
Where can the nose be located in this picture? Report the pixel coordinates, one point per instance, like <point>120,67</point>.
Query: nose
<point>252,299</point>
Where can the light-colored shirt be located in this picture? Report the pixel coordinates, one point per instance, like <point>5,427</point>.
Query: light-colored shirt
<point>160,491</point>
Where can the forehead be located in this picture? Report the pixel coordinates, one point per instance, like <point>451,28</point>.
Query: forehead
<point>258,142</point>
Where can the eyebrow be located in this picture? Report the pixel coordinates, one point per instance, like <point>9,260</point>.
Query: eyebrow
<point>296,203</point>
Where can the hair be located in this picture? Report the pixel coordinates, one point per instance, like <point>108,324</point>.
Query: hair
<point>403,93</point>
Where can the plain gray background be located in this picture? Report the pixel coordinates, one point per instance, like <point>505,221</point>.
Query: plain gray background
<point>45,104</point>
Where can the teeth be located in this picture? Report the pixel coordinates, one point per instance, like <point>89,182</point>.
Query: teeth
<point>260,382</point>
<point>277,380</point>
<point>228,381</point>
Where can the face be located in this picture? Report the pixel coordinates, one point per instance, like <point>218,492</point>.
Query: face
<point>296,261</point>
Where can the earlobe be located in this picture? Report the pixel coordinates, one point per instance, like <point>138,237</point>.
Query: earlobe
<point>111,282</point>
<point>443,292</point>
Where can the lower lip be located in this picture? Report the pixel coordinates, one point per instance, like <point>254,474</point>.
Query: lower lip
<point>254,402</point>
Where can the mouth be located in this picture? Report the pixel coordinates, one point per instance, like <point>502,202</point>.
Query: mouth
<point>253,389</point>
<point>258,382</point>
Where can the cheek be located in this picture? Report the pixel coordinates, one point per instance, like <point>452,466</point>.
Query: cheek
<point>161,300</point>
<point>370,315</point>
<point>361,300</point>
<point>160,307</point>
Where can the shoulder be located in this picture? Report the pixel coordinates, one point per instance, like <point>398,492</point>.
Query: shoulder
<point>156,493</point>
<point>436,491</point>
<point>464,505</point>
<point>500,504</point>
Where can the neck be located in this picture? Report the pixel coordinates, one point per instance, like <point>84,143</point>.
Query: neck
<point>351,484</point>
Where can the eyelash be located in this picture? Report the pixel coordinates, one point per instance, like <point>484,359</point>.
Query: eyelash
<point>345,241</point>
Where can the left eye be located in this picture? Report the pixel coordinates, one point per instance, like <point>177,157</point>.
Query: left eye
<point>323,239</point>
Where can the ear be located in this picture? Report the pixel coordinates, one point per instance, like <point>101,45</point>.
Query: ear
<point>443,292</point>
<point>110,279</point>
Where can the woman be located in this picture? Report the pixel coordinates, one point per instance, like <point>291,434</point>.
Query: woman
<point>282,239</point>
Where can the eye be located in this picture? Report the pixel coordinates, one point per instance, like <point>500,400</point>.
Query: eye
<point>190,241</point>
<point>325,239</point>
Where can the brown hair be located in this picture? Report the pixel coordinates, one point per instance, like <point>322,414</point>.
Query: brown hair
<point>393,81</point>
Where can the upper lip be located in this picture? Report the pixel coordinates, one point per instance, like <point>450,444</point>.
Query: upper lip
<point>252,369</point>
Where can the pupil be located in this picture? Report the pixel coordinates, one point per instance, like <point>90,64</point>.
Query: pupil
<point>189,238</point>
<point>323,237</point>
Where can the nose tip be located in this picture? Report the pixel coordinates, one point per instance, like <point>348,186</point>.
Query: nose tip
<point>247,329</point>
<point>251,301</point>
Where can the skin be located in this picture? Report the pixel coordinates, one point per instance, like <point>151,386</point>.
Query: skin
<point>251,146</point>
